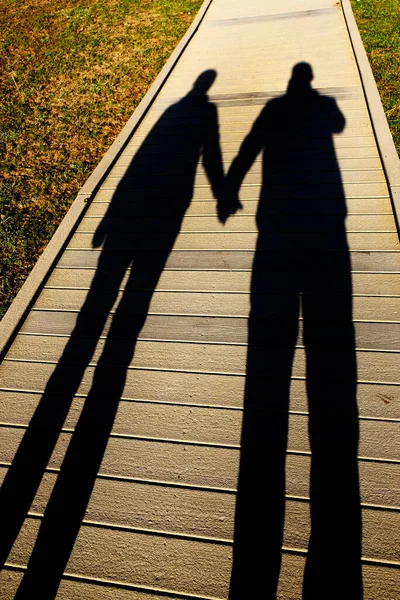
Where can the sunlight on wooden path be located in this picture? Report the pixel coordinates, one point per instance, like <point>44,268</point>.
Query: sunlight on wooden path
<point>160,519</point>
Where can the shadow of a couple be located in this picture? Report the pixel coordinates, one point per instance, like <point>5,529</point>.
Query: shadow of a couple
<point>301,257</point>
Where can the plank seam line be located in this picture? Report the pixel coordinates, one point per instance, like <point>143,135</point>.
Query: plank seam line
<point>174,291</point>
<point>239,216</point>
<point>226,151</point>
<point>254,172</point>
<point>229,129</point>
<point>359,116</point>
<point>140,136</point>
<point>130,152</point>
<point>258,185</point>
<point>242,251</point>
<point>188,249</point>
<point>252,232</point>
<point>235,270</point>
<point>201,270</point>
<point>321,197</point>
<point>122,215</point>
<point>226,233</point>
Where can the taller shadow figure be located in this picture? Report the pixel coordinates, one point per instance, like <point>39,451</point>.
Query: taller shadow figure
<point>301,262</point>
<point>138,233</point>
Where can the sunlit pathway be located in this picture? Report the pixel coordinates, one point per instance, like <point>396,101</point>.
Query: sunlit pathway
<point>145,503</point>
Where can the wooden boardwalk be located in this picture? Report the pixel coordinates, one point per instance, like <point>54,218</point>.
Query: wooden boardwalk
<point>154,371</point>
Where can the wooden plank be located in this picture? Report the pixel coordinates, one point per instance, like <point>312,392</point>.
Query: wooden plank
<point>377,487</point>
<point>379,582</point>
<point>242,122</point>
<point>378,542</point>
<point>201,194</point>
<point>277,191</point>
<point>198,512</point>
<point>363,152</point>
<point>223,427</point>
<point>237,132</point>
<point>385,284</point>
<point>372,366</point>
<point>225,330</point>
<point>377,481</point>
<point>153,507</point>
<point>366,141</point>
<point>80,260</point>
<point>194,303</point>
<point>375,401</point>
<point>184,464</point>
<point>248,113</point>
<point>376,524</point>
<point>357,206</point>
<point>182,392</point>
<point>247,241</point>
<point>82,589</point>
<point>132,223</point>
<point>159,461</point>
<point>154,561</point>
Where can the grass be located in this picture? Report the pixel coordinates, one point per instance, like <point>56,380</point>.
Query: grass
<point>379,25</point>
<point>71,74</point>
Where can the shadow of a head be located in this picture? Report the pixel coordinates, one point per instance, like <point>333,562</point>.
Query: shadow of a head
<point>204,81</point>
<point>300,81</point>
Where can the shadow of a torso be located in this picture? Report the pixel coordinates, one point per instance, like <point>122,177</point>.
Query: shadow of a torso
<point>157,188</point>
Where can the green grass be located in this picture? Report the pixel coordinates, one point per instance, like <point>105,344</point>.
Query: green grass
<point>71,74</point>
<point>379,25</point>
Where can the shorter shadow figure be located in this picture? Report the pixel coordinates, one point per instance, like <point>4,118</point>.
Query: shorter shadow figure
<point>137,234</point>
<point>301,264</point>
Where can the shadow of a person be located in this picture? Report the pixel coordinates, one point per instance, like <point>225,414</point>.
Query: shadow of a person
<point>301,262</point>
<point>137,233</point>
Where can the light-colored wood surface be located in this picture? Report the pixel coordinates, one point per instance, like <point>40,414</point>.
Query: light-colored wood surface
<point>160,519</point>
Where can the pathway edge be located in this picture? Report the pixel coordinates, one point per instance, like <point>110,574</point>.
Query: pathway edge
<point>22,303</point>
<point>384,139</point>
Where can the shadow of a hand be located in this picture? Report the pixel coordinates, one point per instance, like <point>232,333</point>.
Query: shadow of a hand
<point>228,205</point>
<point>99,237</point>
